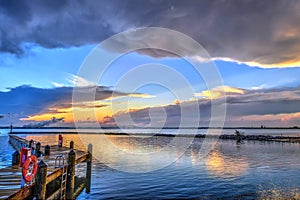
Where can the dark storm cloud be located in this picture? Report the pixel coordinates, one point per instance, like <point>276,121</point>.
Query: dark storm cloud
<point>264,102</point>
<point>253,30</point>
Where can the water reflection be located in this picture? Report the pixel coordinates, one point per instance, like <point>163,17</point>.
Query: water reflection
<point>52,139</point>
<point>224,166</point>
<point>139,153</point>
<point>258,169</point>
<point>279,193</point>
<point>136,154</point>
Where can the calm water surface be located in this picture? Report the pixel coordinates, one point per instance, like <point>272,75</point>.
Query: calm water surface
<point>235,171</point>
<point>251,170</point>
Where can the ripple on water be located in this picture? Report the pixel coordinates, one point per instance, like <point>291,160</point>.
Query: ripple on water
<point>5,152</point>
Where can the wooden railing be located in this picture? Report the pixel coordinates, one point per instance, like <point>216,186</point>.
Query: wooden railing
<point>43,179</point>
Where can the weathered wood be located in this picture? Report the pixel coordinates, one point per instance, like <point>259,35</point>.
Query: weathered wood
<point>15,158</point>
<point>54,195</point>
<point>72,145</point>
<point>31,143</point>
<point>60,140</point>
<point>17,142</point>
<point>89,169</point>
<point>54,175</point>
<point>40,180</point>
<point>78,191</point>
<point>47,150</point>
<point>81,158</point>
<point>38,152</point>
<point>22,193</point>
<point>58,172</point>
<point>71,174</point>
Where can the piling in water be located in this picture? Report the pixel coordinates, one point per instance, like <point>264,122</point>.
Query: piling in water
<point>31,143</point>
<point>60,140</point>
<point>71,174</point>
<point>38,152</point>
<point>40,180</point>
<point>72,145</point>
<point>15,158</point>
<point>47,150</point>
<point>89,169</point>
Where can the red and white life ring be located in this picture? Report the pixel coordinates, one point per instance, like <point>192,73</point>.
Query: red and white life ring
<point>30,168</point>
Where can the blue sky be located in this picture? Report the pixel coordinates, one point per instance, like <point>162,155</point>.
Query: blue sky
<point>44,67</point>
<point>255,52</point>
<point>41,67</point>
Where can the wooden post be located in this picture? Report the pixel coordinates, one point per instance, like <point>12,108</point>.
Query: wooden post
<point>89,169</point>
<point>72,144</point>
<point>60,140</point>
<point>71,174</point>
<point>15,158</point>
<point>38,149</point>
<point>31,142</point>
<point>47,150</point>
<point>40,180</point>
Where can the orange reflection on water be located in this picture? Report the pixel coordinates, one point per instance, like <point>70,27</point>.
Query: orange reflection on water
<point>134,154</point>
<point>223,166</point>
<point>139,153</point>
<point>52,139</point>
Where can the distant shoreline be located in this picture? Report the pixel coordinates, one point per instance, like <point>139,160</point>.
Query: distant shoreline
<point>269,138</point>
<point>7,127</point>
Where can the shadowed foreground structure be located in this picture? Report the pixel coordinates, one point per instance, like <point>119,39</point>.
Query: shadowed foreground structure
<point>49,177</point>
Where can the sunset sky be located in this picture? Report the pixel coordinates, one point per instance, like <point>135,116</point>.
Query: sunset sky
<point>255,45</point>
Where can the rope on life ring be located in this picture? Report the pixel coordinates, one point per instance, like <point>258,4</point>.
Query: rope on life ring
<point>27,172</point>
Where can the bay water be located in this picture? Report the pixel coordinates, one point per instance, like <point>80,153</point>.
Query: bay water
<point>251,170</point>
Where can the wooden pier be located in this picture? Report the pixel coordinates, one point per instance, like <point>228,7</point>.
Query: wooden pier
<point>52,181</point>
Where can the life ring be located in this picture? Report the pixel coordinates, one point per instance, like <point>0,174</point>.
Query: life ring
<point>29,172</point>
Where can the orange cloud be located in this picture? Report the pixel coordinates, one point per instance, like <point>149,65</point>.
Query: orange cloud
<point>219,92</point>
<point>68,117</point>
<point>88,110</point>
<point>289,117</point>
<point>176,102</point>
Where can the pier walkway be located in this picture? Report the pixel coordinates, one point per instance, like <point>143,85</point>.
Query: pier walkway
<point>48,180</point>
